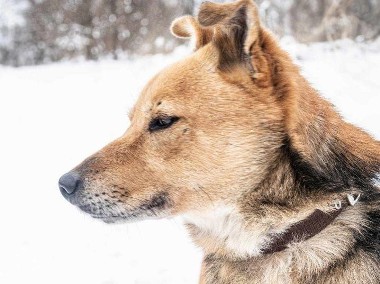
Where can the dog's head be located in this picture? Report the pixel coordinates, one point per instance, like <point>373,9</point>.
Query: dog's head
<point>203,131</point>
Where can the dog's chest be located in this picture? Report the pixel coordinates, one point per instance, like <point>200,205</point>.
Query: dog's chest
<point>259,271</point>
<point>222,229</point>
<point>223,236</point>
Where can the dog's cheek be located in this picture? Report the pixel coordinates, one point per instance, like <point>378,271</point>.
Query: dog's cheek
<point>171,144</point>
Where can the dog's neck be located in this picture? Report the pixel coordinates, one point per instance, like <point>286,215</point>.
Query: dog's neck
<point>221,230</point>
<point>308,227</point>
<point>224,231</point>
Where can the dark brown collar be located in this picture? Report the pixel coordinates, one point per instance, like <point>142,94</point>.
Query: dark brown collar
<point>309,227</point>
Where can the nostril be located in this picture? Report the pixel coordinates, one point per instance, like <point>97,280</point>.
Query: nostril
<point>69,183</point>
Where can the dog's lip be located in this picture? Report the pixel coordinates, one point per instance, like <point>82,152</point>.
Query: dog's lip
<point>103,216</point>
<point>107,219</point>
<point>88,210</point>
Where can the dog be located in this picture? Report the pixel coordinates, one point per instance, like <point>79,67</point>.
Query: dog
<point>272,183</point>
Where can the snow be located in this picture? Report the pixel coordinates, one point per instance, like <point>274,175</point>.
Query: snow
<point>10,17</point>
<point>11,13</point>
<point>54,116</point>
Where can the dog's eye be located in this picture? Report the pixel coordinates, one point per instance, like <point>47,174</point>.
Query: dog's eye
<point>162,123</point>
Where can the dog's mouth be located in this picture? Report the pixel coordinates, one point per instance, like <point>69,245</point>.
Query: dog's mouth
<point>106,214</point>
<point>109,219</point>
<point>153,208</point>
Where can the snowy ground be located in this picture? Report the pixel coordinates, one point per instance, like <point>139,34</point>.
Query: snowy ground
<point>53,116</point>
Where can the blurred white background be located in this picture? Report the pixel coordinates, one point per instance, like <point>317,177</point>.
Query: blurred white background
<point>52,116</point>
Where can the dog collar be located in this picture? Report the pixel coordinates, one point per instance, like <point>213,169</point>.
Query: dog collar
<point>310,226</point>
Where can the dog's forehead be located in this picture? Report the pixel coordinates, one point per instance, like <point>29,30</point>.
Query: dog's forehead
<point>175,83</point>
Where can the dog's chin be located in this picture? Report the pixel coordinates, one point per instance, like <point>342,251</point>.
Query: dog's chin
<point>106,217</point>
<point>125,217</point>
<point>111,219</point>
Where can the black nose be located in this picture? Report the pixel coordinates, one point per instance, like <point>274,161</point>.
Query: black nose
<point>69,183</point>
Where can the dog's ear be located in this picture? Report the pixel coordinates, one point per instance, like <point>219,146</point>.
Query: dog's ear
<point>188,27</point>
<point>236,30</point>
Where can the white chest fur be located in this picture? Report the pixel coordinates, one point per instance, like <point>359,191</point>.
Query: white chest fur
<point>227,227</point>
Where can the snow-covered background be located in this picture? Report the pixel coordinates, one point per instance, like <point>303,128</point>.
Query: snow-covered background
<point>54,116</point>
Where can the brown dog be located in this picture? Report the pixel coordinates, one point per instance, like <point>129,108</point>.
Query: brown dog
<point>273,184</point>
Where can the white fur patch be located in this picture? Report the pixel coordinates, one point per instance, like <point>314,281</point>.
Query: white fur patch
<point>226,225</point>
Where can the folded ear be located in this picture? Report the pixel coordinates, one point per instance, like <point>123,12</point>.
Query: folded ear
<point>237,29</point>
<point>188,27</point>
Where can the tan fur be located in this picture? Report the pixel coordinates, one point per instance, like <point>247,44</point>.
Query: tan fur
<point>225,165</point>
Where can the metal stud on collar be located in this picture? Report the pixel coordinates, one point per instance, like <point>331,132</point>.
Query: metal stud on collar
<point>352,200</point>
<point>338,204</point>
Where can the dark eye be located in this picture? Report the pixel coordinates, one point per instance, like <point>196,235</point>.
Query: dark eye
<point>162,123</point>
